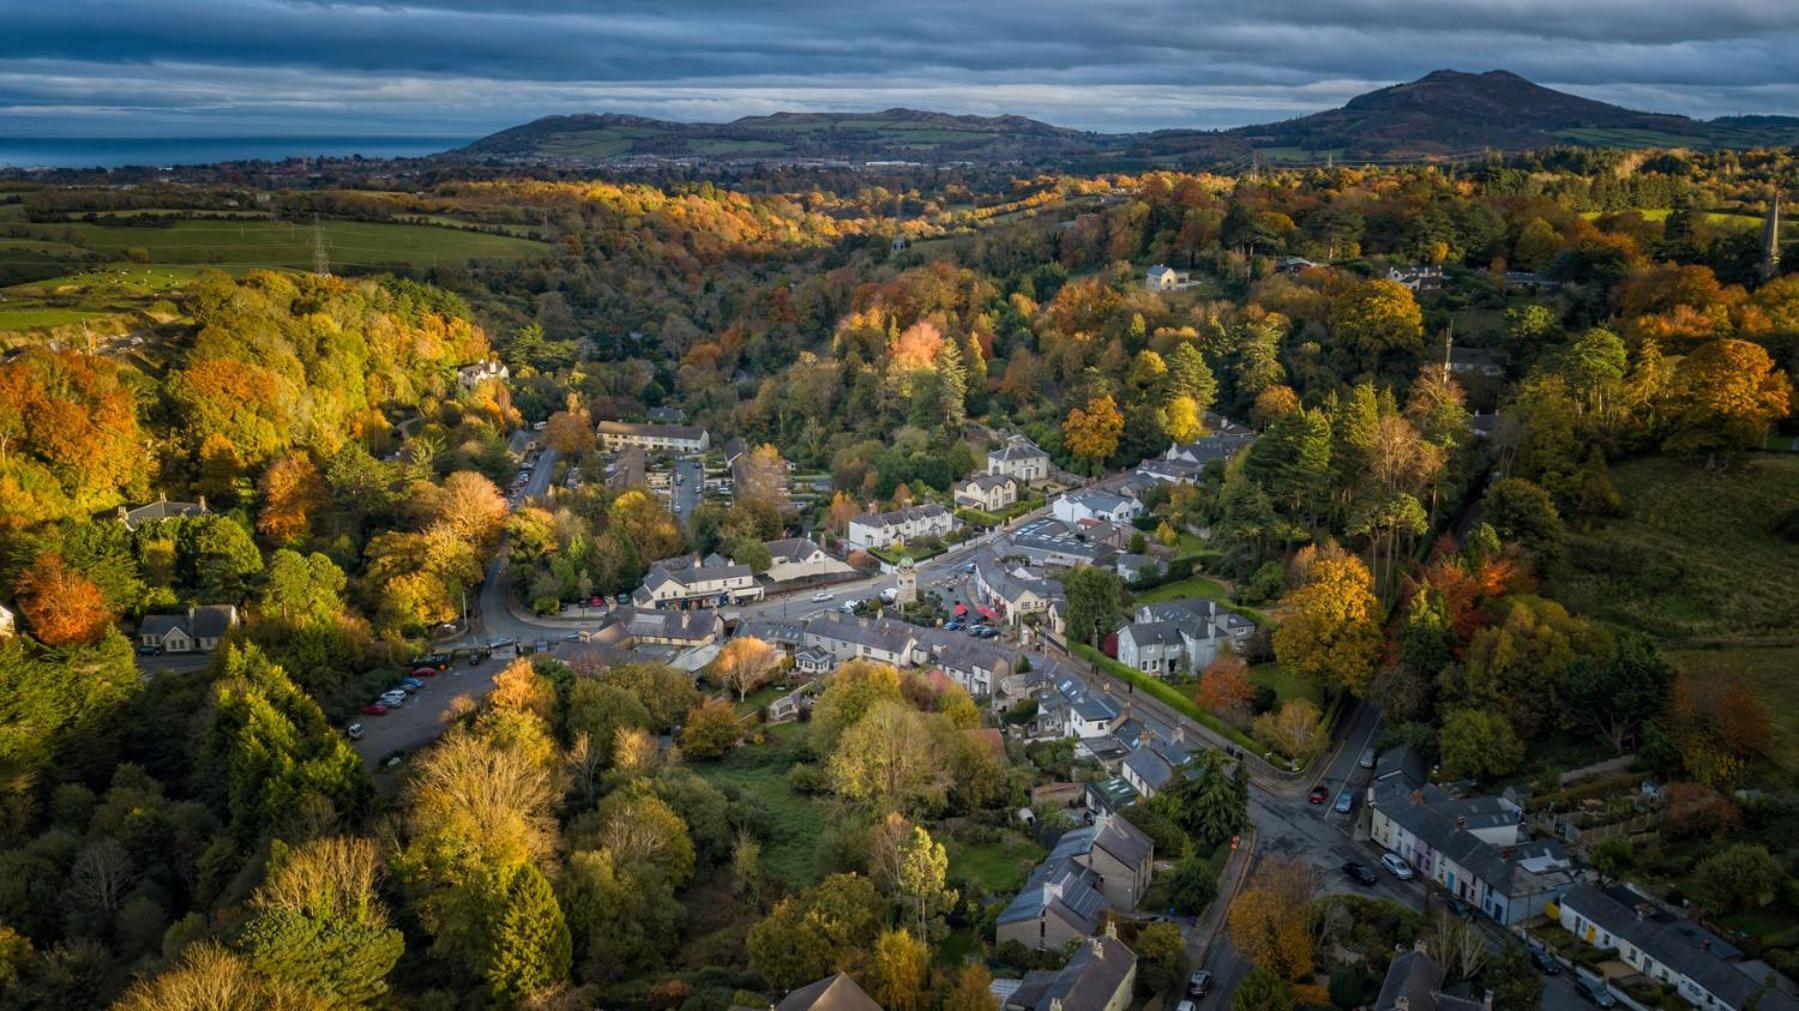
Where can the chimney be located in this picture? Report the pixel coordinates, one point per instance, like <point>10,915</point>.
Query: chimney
<point>1417,796</point>
<point>1402,1003</point>
<point>1179,735</point>
<point>1055,1004</point>
<point>1112,929</point>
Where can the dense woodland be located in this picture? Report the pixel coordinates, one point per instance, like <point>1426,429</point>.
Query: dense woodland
<point>578,836</point>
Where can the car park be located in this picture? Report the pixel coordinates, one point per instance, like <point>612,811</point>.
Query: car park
<point>1318,795</point>
<point>1199,983</point>
<point>1345,802</point>
<point>353,731</point>
<point>374,709</point>
<point>1396,866</point>
<point>1360,872</point>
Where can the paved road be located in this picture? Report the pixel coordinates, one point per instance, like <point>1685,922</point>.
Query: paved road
<point>685,492</point>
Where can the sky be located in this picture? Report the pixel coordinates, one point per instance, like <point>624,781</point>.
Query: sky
<point>198,68</point>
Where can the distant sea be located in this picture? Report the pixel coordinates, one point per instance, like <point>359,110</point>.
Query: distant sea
<point>114,152</point>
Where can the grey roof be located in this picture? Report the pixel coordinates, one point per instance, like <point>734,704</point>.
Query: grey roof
<point>833,993</point>
<point>1009,583</point>
<point>1098,500</point>
<point>1114,835</point>
<point>160,625</point>
<point>1183,471</point>
<point>684,573</point>
<point>1088,982</point>
<point>964,653</point>
<point>1419,979</point>
<point>210,621</point>
<point>684,432</point>
<point>987,482</point>
<point>693,625</point>
<point>1177,611</point>
<point>1421,811</point>
<point>163,510</point>
<point>1404,762</point>
<point>894,517</point>
<point>1227,439</point>
<point>1153,633</point>
<point>1059,887</point>
<point>1651,932</point>
<point>882,634</point>
<point>1157,762</point>
<point>792,549</point>
<point>666,415</point>
<point>1018,449</point>
<point>784,633</point>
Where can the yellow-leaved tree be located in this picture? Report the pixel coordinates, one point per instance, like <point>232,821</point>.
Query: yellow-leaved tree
<point>1332,629</point>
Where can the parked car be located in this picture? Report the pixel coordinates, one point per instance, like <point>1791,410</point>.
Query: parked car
<point>1367,759</point>
<point>820,597</point>
<point>1345,802</point>
<point>1396,865</point>
<point>1544,961</point>
<point>374,709</point>
<point>500,642</point>
<point>1460,908</point>
<point>1318,795</point>
<point>149,651</point>
<point>1360,872</point>
<point>952,625</point>
<point>411,685</point>
<point>1595,991</point>
<point>425,672</point>
<point>1199,983</point>
<point>353,731</point>
<point>439,660</point>
<point>968,568</point>
<point>1187,1005</point>
<point>571,637</point>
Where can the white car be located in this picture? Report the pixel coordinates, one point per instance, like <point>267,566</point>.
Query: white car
<point>819,598</point>
<point>1396,865</point>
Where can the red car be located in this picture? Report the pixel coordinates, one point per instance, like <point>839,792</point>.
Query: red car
<point>1318,794</point>
<point>425,672</point>
<point>374,709</point>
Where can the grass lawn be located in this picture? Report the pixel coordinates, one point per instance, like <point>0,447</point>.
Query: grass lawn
<point>1286,684</point>
<point>29,314</point>
<point>264,243</point>
<point>1695,557</point>
<point>1191,545</point>
<point>959,947</point>
<point>996,866</point>
<point>1694,562</point>
<point>795,822</point>
<point>1201,587</point>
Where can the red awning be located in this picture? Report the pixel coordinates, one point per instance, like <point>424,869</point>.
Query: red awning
<point>961,609</point>
<point>989,613</point>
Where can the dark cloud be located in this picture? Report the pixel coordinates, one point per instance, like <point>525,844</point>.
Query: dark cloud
<point>456,66</point>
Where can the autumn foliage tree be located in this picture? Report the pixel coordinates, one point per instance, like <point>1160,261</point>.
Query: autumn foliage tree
<point>63,607</point>
<point>1225,689</point>
<point>744,663</point>
<point>1332,629</point>
<point>293,489</point>
<point>1092,432</point>
<point>1268,922</point>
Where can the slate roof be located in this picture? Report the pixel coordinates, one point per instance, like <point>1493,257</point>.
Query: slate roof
<point>1419,979</point>
<point>1404,762</point>
<point>1153,633</point>
<point>988,482</point>
<point>882,633</point>
<point>833,993</point>
<point>895,517</point>
<point>162,510</point>
<point>1062,888</point>
<point>1018,449</point>
<point>1098,500</point>
<point>1112,834</point>
<point>1158,762</point>
<point>1088,982</point>
<point>211,621</point>
<point>783,633</point>
<point>1651,933</point>
<point>693,626</point>
<point>160,625</point>
<point>792,549</point>
<point>681,432</point>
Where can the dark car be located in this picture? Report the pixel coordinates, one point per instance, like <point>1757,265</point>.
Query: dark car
<point>439,660</point>
<point>1319,794</point>
<point>149,651</point>
<point>1199,983</point>
<point>1545,962</point>
<point>1595,991</point>
<point>1361,872</point>
<point>1460,908</point>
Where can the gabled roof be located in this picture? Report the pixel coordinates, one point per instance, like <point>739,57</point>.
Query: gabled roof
<point>895,517</point>
<point>160,625</point>
<point>881,634</point>
<point>1153,633</point>
<point>1060,888</point>
<point>833,993</point>
<point>792,549</point>
<point>1089,982</point>
<point>210,621</point>
<point>689,433</point>
<point>1651,932</point>
<point>1418,978</point>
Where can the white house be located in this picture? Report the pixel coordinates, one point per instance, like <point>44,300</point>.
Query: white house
<point>681,582</point>
<point>880,530</point>
<point>470,376</point>
<point>1162,277</point>
<point>1016,592</point>
<point>989,492</point>
<point>200,629</point>
<point>975,665</point>
<point>851,638</point>
<point>1070,709</point>
<point>7,623</point>
<point>1019,459</point>
<point>1666,949</point>
<point>795,558</point>
<point>1420,279</point>
<point>1097,505</point>
<point>1153,647</point>
<point>618,435</point>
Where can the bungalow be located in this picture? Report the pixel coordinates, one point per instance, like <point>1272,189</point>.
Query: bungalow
<point>1419,279</point>
<point>1475,361</point>
<point>619,435</point>
<point>814,660</point>
<point>161,509</point>
<point>851,638</point>
<point>1095,504</point>
<point>1476,848</point>
<point>1226,440</point>
<point>200,629</point>
<point>689,582</point>
<point>1172,471</point>
<point>1295,265</point>
<point>880,530</point>
<point>1666,949</point>
<point>1414,982</point>
<point>989,492</point>
<point>1019,459</point>
<point>470,376</point>
<point>1162,277</point>
<point>833,993</point>
<point>796,558</point>
<point>1100,976</point>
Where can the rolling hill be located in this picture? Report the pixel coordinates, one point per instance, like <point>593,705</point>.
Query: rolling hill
<point>1446,113</point>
